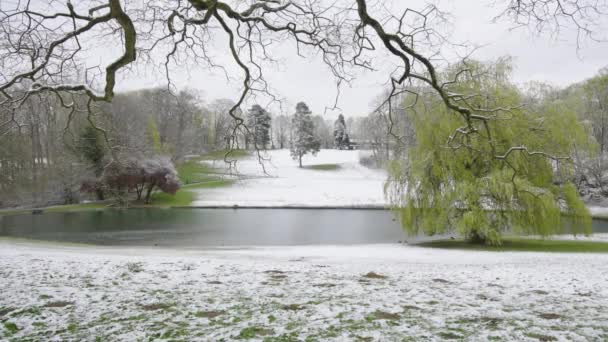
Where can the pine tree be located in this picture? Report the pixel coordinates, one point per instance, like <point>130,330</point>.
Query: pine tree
<point>259,124</point>
<point>304,139</point>
<point>340,132</point>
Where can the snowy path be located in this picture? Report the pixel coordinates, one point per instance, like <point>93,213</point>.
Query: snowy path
<point>288,185</point>
<point>300,293</point>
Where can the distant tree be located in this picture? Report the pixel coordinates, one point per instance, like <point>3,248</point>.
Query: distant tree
<point>323,131</point>
<point>304,139</point>
<point>340,134</point>
<point>140,176</point>
<point>281,130</point>
<point>92,148</point>
<point>259,124</point>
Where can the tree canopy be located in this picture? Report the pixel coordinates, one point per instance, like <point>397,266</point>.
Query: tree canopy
<point>510,174</point>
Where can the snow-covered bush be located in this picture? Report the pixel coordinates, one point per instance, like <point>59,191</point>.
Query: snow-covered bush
<point>141,176</point>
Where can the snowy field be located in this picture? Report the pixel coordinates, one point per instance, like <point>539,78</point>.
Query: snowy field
<point>328,293</point>
<point>288,185</point>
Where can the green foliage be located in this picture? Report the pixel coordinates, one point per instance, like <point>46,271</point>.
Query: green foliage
<point>153,137</point>
<point>92,147</point>
<point>471,183</point>
<point>11,327</point>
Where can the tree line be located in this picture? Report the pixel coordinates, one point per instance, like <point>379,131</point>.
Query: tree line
<point>49,153</point>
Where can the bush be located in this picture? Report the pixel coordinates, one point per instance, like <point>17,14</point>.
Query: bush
<point>135,175</point>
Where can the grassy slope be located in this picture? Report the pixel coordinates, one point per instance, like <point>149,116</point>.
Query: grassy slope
<point>525,245</point>
<point>194,174</point>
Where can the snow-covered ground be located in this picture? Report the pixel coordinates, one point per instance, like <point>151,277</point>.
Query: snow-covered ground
<point>323,293</point>
<point>288,185</point>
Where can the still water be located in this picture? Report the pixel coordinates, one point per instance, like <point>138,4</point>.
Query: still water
<point>208,227</point>
<point>213,227</point>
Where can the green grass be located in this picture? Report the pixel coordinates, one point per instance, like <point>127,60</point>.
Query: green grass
<point>219,155</point>
<point>195,174</point>
<point>184,196</point>
<point>196,171</point>
<point>525,245</point>
<point>323,167</point>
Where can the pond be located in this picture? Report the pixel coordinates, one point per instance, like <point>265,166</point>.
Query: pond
<point>213,227</point>
<point>208,227</point>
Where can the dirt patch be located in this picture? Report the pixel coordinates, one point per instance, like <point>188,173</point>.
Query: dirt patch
<point>293,307</point>
<point>448,335</point>
<point>275,272</point>
<point>374,275</point>
<point>540,292</point>
<point>214,282</point>
<point>441,281</point>
<point>379,314</point>
<point>324,285</point>
<point>278,276</point>
<point>209,314</point>
<point>155,306</point>
<point>58,304</point>
<point>550,315</point>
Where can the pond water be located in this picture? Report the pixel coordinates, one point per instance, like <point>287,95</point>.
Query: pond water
<point>208,227</point>
<point>213,227</point>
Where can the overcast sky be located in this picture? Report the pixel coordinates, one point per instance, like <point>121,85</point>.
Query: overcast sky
<point>543,58</point>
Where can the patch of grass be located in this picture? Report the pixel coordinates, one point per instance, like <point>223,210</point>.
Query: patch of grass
<point>219,155</point>
<point>11,327</point>
<point>210,184</point>
<point>194,171</point>
<point>181,198</point>
<point>253,332</point>
<point>525,245</point>
<point>184,197</point>
<point>323,167</point>
<point>541,337</point>
<point>72,327</point>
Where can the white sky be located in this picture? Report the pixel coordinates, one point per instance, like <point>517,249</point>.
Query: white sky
<point>543,58</point>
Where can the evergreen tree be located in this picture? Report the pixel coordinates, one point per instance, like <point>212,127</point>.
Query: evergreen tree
<point>259,124</point>
<point>340,135</point>
<point>304,139</point>
<point>93,149</point>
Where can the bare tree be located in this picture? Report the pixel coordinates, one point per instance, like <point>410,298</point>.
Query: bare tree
<point>45,44</point>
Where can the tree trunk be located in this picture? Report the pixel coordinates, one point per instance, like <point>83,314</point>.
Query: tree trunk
<point>149,193</point>
<point>300,160</point>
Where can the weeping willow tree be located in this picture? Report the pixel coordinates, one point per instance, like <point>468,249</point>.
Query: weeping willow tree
<point>508,174</point>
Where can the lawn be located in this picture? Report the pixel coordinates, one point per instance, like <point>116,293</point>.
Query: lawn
<point>184,197</point>
<point>195,170</point>
<point>196,174</point>
<point>525,245</point>
<point>323,167</point>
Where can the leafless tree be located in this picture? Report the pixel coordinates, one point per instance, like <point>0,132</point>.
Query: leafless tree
<point>45,45</point>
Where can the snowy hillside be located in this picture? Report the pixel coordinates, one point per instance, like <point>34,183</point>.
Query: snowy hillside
<point>285,184</point>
